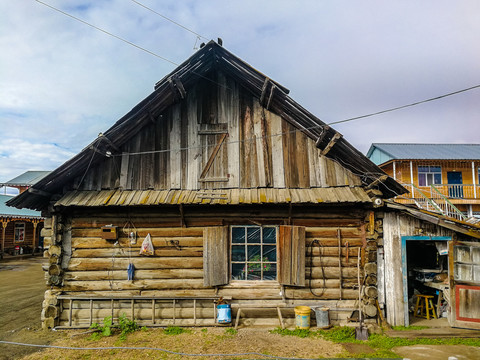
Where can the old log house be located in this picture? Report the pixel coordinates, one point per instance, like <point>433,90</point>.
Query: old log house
<point>245,194</point>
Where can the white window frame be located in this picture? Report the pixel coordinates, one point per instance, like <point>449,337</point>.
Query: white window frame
<point>429,175</point>
<point>262,261</point>
<point>19,232</point>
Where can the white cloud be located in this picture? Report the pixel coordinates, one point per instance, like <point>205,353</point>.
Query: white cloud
<point>63,82</point>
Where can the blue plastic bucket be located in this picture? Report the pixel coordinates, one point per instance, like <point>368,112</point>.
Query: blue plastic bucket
<point>224,314</point>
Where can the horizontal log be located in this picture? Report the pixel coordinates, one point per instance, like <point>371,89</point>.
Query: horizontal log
<point>141,233</point>
<point>330,242</point>
<point>326,232</point>
<point>139,274</point>
<point>331,273</point>
<point>134,251</point>
<point>299,293</point>
<point>71,285</point>
<point>139,263</point>
<point>316,250</point>
<point>330,261</point>
<point>97,242</point>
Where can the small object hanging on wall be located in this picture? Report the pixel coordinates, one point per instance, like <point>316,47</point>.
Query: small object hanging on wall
<point>147,246</point>
<point>130,271</point>
<point>133,237</point>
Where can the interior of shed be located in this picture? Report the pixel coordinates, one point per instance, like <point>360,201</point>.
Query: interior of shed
<point>427,268</point>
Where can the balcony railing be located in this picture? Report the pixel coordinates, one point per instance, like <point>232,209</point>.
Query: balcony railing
<point>437,198</point>
<point>451,191</point>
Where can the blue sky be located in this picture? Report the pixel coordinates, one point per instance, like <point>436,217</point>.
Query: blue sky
<point>62,82</point>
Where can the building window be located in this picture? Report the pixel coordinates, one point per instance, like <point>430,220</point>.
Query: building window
<point>429,175</point>
<point>19,232</point>
<point>254,252</point>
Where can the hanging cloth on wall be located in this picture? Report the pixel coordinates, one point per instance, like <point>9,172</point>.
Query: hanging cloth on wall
<point>147,246</point>
<point>130,271</point>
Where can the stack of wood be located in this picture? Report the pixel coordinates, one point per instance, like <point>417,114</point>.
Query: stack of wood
<point>53,271</point>
<point>370,293</point>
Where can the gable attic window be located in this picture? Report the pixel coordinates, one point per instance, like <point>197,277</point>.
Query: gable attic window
<point>254,253</point>
<point>274,253</point>
<point>19,234</point>
<point>429,175</point>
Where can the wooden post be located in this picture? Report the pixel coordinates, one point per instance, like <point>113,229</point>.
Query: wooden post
<point>4,227</point>
<point>411,178</point>
<point>35,223</point>
<point>339,236</point>
<point>474,182</point>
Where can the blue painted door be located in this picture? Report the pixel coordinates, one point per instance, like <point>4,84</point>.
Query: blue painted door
<point>455,188</point>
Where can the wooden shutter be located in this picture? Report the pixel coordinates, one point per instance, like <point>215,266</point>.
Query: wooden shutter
<point>291,255</point>
<point>215,256</point>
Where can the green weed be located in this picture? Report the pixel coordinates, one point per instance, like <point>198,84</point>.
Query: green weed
<point>231,331</point>
<point>302,333</point>
<point>175,330</point>
<point>406,328</point>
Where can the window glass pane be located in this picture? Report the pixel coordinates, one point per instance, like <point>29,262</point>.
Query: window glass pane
<point>422,180</point>
<point>238,235</point>
<point>463,272</point>
<point>423,169</point>
<point>437,178</point>
<point>238,253</point>
<point>253,235</point>
<point>269,235</point>
<point>254,253</point>
<point>254,272</point>
<point>270,253</point>
<point>435,169</point>
<point>270,272</point>
<point>238,272</point>
<point>429,179</point>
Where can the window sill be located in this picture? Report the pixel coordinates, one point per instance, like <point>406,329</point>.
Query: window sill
<point>253,283</point>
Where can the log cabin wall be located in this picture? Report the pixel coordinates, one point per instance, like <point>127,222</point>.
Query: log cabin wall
<point>84,264</point>
<point>217,137</point>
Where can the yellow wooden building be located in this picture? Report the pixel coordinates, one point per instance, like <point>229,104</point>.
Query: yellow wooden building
<point>440,177</point>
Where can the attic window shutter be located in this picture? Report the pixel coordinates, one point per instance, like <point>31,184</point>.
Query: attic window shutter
<point>291,250</point>
<point>215,256</point>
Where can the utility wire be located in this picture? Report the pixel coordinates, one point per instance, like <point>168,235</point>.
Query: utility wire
<point>168,19</point>
<point>108,33</point>
<point>307,128</point>
<point>405,106</point>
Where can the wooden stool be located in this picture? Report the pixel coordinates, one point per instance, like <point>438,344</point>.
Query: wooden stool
<point>425,305</point>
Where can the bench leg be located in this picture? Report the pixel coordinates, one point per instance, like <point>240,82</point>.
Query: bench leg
<point>239,312</point>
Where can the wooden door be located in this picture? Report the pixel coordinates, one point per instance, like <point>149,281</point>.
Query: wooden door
<point>465,284</point>
<point>455,188</point>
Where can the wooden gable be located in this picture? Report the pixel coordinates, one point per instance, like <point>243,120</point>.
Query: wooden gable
<point>219,136</point>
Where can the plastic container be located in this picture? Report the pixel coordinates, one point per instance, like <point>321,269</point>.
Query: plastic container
<point>302,317</point>
<point>224,314</point>
<point>322,316</point>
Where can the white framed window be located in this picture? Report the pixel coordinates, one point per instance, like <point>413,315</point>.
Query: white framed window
<point>19,232</point>
<point>253,252</point>
<point>429,175</point>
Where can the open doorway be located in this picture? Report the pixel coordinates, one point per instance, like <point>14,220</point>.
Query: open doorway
<point>425,272</point>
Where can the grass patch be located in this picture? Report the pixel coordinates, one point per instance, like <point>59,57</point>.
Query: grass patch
<point>302,333</point>
<point>406,328</point>
<point>231,331</point>
<point>175,330</point>
<point>381,344</point>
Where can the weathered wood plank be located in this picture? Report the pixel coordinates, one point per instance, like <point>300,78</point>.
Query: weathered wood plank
<point>175,152</point>
<point>278,170</point>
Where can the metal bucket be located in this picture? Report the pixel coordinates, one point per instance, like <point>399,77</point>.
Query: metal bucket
<point>224,314</point>
<point>322,316</point>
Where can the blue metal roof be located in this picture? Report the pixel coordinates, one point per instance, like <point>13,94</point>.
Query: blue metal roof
<point>14,212</point>
<point>384,152</point>
<point>26,179</point>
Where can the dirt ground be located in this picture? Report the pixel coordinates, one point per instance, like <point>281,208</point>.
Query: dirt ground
<point>22,286</point>
<point>21,294</point>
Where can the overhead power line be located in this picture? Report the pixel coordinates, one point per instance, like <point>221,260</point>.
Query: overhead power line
<point>108,33</point>
<point>405,106</point>
<point>168,19</point>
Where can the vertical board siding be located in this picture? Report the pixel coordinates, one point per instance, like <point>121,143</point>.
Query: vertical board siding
<point>215,256</point>
<point>261,149</point>
<point>291,250</point>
